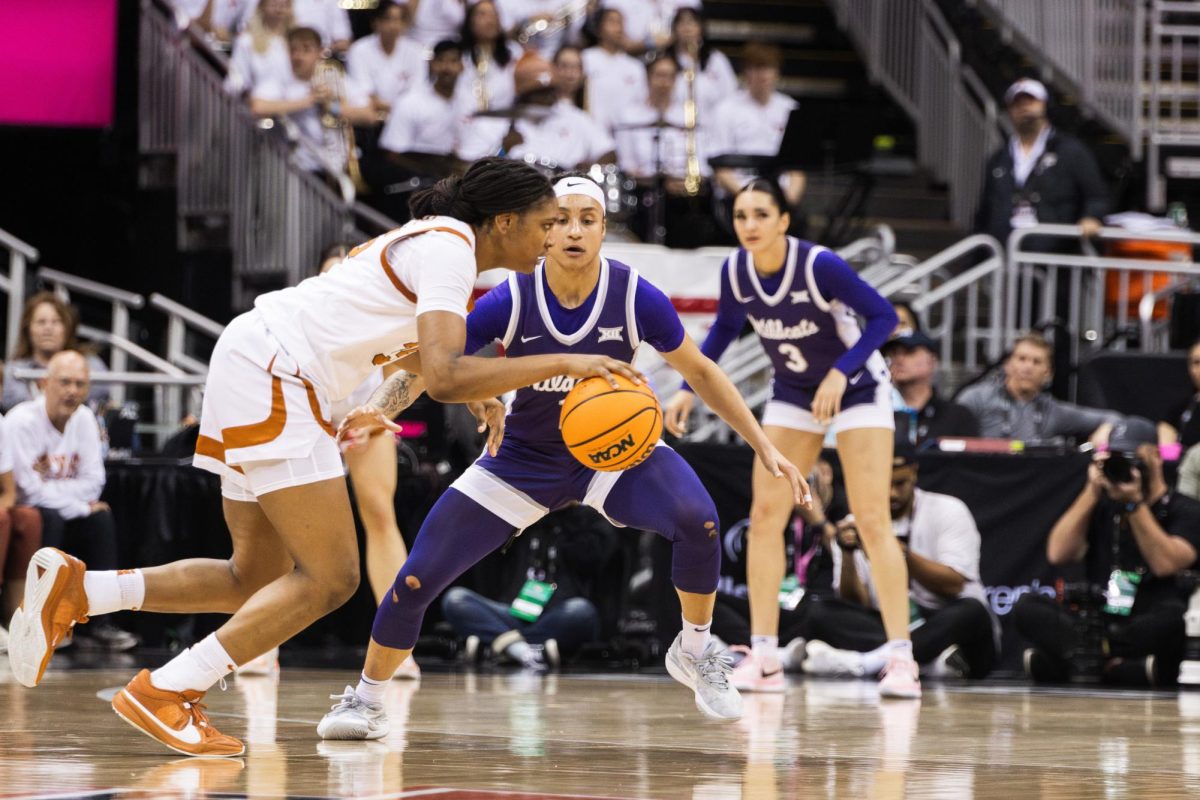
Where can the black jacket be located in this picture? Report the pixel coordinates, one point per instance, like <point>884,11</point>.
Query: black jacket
<point>1064,187</point>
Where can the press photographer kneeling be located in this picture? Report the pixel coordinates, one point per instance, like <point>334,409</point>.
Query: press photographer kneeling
<point>1133,536</point>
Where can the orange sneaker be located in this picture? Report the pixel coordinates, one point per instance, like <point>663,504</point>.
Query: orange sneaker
<point>54,602</point>
<point>175,719</point>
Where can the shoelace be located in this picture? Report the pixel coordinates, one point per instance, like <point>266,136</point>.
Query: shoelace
<point>345,700</point>
<point>196,709</point>
<point>716,669</point>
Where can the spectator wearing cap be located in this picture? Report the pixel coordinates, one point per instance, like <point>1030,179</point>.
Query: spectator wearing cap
<point>1133,536</point>
<point>615,79</point>
<point>914,363</point>
<point>956,635</point>
<point>553,133</point>
<point>1016,405</point>
<point>1041,175</point>
<point>387,63</point>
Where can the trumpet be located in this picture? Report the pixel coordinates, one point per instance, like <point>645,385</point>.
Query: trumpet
<point>691,180</point>
<point>560,20</point>
<point>331,75</point>
<point>479,89</point>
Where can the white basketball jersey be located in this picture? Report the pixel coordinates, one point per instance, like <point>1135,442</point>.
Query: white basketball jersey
<point>343,325</point>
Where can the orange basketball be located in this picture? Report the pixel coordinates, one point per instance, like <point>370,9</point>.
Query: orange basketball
<point>609,429</point>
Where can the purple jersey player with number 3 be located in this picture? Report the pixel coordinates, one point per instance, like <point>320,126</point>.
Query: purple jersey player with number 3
<point>575,302</point>
<point>802,301</point>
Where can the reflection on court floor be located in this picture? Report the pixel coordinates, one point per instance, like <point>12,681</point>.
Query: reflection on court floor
<point>512,736</point>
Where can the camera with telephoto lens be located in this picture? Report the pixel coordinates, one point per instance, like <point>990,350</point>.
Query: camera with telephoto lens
<point>1084,602</point>
<point>1118,467</point>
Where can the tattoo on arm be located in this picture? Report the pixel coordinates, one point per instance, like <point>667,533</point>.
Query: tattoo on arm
<point>397,393</point>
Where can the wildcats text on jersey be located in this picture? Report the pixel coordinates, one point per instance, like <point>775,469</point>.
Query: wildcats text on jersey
<point>775,329</point>
<point>559,383</point>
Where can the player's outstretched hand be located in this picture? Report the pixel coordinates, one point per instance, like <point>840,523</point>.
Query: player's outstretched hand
<point>827,401</point>
<point>366,418</point>
<point>603,367</point>
<point>780,467</point>
<point>490,416</point>
<point>677,412</point>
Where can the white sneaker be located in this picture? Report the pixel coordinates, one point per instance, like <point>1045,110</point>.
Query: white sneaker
<point>407,671</point>
<point>830,662</point>
<point>351,718</point>
<point>266,665</point>
<point>900,678</point>
<point>709,677</point>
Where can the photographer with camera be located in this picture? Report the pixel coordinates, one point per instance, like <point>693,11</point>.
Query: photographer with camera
<point>953,633</point>
<point>1133,535</point>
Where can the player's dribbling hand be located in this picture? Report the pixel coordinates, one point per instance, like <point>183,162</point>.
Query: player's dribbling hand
<point>365,418</point>
<point>602,367</point>
<point>677,412</point>
<point>827,402</point>
<point>780,467</point>
<point>490,416</point>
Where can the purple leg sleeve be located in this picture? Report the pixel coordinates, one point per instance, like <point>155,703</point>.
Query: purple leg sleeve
<point>457,533</point>
<point>663,495</point>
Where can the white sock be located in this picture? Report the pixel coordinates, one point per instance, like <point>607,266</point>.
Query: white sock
<point>875,660</point>
<point>114,590</point>
<point>369,691</point>
<point>696,636</point>
<point>765,648</point>
<point>197,668</point>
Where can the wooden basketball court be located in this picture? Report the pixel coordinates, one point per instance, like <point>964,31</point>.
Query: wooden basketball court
<point>466,736</point>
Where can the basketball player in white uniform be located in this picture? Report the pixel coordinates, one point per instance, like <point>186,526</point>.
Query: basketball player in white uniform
<point>273,375</point>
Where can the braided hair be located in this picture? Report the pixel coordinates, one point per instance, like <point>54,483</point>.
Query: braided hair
<point>491,186</point>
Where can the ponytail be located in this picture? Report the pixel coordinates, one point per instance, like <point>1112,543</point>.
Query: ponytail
<point>491,186</point>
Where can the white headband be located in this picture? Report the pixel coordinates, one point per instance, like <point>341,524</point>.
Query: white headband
<point>584,186</point>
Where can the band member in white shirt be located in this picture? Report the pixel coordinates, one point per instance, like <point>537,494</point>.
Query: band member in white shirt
<point>387,63</point>
<point>437,20</point>
<point>488,58</point>
<point>715,79</point>
<point>327,18</point>
<point>260,52</point>
<point>648,22</point>
<point>569,82</point>
<point>615,78</point>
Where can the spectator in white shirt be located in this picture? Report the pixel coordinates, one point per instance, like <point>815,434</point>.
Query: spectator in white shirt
<point>387,63</point>
<point>418,146</point>
<point>489,61</point>
<point>556,135</point>
<point>55,443</point>
<point>615,78</point>
<point>569,82</point>
<point>220,18</point>
<point>327,18</point>
<point>715,79</point>
<point>47,326</point>
<point>20,537</point>
<point>752,122</point>
<point>648,22</point>
<point>304,102</point>
<point>437,20</point>
<point>260,53</point>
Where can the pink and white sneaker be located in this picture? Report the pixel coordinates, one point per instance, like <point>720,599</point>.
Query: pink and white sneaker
<point>407,671</point>
<point>900,678</point>
<point>266,665</point>
<point>751,675</point>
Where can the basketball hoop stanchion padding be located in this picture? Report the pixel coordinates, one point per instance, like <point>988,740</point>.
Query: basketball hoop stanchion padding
<point>1189,668</point>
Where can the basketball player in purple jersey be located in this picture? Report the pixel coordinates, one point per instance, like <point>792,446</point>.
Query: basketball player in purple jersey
<point>576,302</point>
<point>801,300</point>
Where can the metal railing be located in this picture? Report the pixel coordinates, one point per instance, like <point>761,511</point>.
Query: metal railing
<point>13,284</point>
<point>910,50</point>
<point>1174,84</point>
<point>1033,283</point>
<point>1095,47</point>
<point>229,168</point>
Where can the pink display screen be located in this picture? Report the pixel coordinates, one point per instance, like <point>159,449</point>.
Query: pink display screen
<point>58,62</point>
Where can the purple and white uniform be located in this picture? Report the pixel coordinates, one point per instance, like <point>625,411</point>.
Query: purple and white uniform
<point>804,315</point>
<point>533,473</point>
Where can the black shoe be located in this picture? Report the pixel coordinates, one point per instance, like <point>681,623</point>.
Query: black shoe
<point>1041,668</point>
<point>110,637</point>
<point>1133,672</point>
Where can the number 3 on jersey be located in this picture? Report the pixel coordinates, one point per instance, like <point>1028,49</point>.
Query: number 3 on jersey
<point>795,360</point>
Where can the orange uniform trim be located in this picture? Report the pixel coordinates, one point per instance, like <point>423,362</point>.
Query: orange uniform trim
<point>391,274</point>
<point>210,447</point>
<point>315,406</point>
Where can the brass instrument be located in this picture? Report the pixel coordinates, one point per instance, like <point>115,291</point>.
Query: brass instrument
<point>691,180</point>
<point>331,75</point>
<point>561,20</point>
<point>482,68</point>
